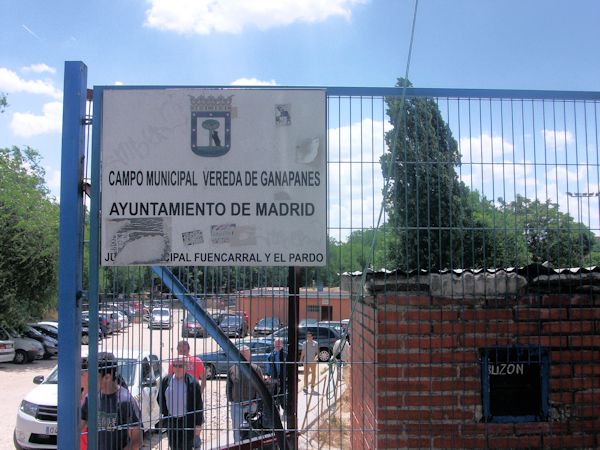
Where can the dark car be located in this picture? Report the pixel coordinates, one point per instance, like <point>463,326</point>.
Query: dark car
<point>218,363</point>
<point>325,336</point>
<point>102,327</point>
<point>191,327</point>
<point>234,326</point>
<point>266,326</point>
<point>50,344</point>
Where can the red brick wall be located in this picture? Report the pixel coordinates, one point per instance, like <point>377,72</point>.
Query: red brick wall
<point>416,372</point>
<point>258,307</point>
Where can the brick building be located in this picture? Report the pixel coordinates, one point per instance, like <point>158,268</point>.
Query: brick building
<point>488,359</point>
<point>324,304</point>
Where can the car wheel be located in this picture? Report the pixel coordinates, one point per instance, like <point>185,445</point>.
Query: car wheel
<point>324,355</point>
<point>211,373</point>
<point>85,339</point>
<point>47,355</point>
<point>20,357</point>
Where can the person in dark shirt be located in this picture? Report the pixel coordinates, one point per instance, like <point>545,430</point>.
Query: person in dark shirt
<point>240,392</point>
<point>277,373</point>
<point>118,413</point>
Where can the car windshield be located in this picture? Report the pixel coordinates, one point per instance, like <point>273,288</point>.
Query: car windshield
<point>160,312</point>
<point>189,318</point>
<point>281,333</point>
<point>231,320</point>
<point>33,331</point>
<point>267,322</point>
<point>126,369</point>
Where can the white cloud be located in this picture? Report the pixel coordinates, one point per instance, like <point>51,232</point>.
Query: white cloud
<point>10,82</point>
<point>557,138</point>
<point>355,181</point>
<point>484,148</point>
<point>253,82</point>
<point>119,83</point>
<point>39,68</point>
<point>232,16</point>
<point>28,124</point>
<point>53,181</point>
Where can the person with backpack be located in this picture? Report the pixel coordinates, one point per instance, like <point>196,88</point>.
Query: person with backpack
<point>241,394</point>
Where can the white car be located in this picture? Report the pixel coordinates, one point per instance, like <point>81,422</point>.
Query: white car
<point>7,347</point>
<point>36,425</point>
<point>26,349</point>
<point>160,318</point>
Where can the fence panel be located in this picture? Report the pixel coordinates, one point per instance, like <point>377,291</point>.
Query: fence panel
<point>459,292</point>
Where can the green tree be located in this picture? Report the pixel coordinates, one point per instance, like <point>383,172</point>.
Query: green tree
<point>3,102</point>
<point>549,234</point>
<point>28,237</point>
<point>430,211</point>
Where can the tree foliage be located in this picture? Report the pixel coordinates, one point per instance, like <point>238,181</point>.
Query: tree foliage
<point>435,221</point>
<point>3,102</point>
<point>28,237</point>
<point>429,209</point>
<point>548,234</point>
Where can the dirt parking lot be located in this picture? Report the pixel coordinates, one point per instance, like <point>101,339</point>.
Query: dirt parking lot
<point>17,381</point>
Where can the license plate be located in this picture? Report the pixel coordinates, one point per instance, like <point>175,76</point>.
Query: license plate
<point>52,429</point>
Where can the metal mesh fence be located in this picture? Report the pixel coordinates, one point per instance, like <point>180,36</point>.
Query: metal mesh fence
<point>444,317</point>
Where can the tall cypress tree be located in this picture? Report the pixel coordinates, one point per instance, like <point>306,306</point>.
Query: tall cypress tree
<point>427,205</point>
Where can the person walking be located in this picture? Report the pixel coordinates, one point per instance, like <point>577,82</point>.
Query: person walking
<point>276,373</point>
<point>180,400</point>
<point>118,415</point>
<point>83,439</point>
<point>194,365</point>
<point>241,394</point>
<point>308,355</point>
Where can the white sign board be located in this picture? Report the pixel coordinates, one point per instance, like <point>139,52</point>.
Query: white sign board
<point>213,177</point>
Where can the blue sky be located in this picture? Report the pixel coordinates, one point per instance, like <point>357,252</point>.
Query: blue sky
<point>535,44</point>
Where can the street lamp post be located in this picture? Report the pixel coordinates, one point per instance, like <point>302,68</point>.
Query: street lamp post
<point>580,196</point>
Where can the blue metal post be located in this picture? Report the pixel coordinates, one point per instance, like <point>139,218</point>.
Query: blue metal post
<point>70,256</point>
<point>94,266</point>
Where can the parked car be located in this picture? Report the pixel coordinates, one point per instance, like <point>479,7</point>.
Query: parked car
<point>102,324</point>
<point>36,425</point>
<point>234,326</point>
<point>50,328</point>
<point>218,363</point>
<point>50,344</point>
<point>325,336</point>
<point>160,318</point>
<point>111,324</point>
<point>266,326</point>
<point>26,349</point>
<point>7,347</point>
<point>307,322</point>
<point>191,327</point>
<point>337,325</point>
<point>242,314</point>
<point>123,307</point>
<point>118,319</point>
